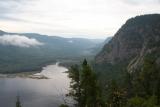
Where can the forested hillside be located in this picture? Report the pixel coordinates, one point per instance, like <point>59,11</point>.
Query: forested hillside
<point>129,65</point>
<point>135,41</point>
<point>30,51</point>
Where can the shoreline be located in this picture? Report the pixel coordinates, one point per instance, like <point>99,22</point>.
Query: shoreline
<point>30,74</point>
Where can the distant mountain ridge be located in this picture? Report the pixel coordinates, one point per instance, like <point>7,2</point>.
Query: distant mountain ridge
<point>41,49</point>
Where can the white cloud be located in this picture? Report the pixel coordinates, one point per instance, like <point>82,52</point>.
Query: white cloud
<point>20,41</point>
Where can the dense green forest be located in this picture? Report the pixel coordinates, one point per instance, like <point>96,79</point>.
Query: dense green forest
<point>138,89</point>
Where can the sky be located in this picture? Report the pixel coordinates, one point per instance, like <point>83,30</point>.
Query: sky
<point>72,18</point>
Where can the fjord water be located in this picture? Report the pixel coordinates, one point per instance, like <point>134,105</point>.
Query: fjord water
<point>36,92</point>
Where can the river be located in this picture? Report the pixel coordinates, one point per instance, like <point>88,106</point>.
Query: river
<point>36,92</point>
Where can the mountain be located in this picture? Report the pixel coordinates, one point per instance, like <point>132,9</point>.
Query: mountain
<point>138,39</point>
<point>99,47</point>
<point>30,51</point>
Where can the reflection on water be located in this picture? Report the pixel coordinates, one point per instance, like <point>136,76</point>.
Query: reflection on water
<point>36,92</point>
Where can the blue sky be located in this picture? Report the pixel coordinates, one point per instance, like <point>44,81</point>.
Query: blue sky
<point>72,18</point>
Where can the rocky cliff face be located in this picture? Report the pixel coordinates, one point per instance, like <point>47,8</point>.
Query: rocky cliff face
<point>137,38</point>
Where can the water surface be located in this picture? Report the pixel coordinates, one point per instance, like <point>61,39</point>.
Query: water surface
<point>36,92</point>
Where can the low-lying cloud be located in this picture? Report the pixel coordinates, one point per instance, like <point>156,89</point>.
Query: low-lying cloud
<point>20,41</point>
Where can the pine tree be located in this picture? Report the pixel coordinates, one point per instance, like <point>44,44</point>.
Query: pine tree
<point>84,86</point>
<point>90,90</point>
<point>116,97</point>
<point>128,84</point>
<point>18,103</point>
<point>63,105</point>
<point>75,92</point>
<point>148,77</point>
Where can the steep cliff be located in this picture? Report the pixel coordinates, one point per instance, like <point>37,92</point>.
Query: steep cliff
<point>137,39</point>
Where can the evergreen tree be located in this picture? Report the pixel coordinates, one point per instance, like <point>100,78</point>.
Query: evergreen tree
<point>18,103</point>
<point>128,84</point>
<point>63,105</point>
<point>157,93</point>
<point>91,94</point>
<point>135,102</point>
<point>84,86</point>
<point>75,92</point>
<point>148,78</point>
<point>116,96</point>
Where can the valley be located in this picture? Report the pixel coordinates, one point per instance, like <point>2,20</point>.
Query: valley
<point>46,71</point>
<point>24,52</point>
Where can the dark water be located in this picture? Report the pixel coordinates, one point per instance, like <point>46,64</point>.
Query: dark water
<point>36,92</point>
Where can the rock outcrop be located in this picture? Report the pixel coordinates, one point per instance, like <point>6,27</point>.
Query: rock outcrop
<point>138,37</point>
